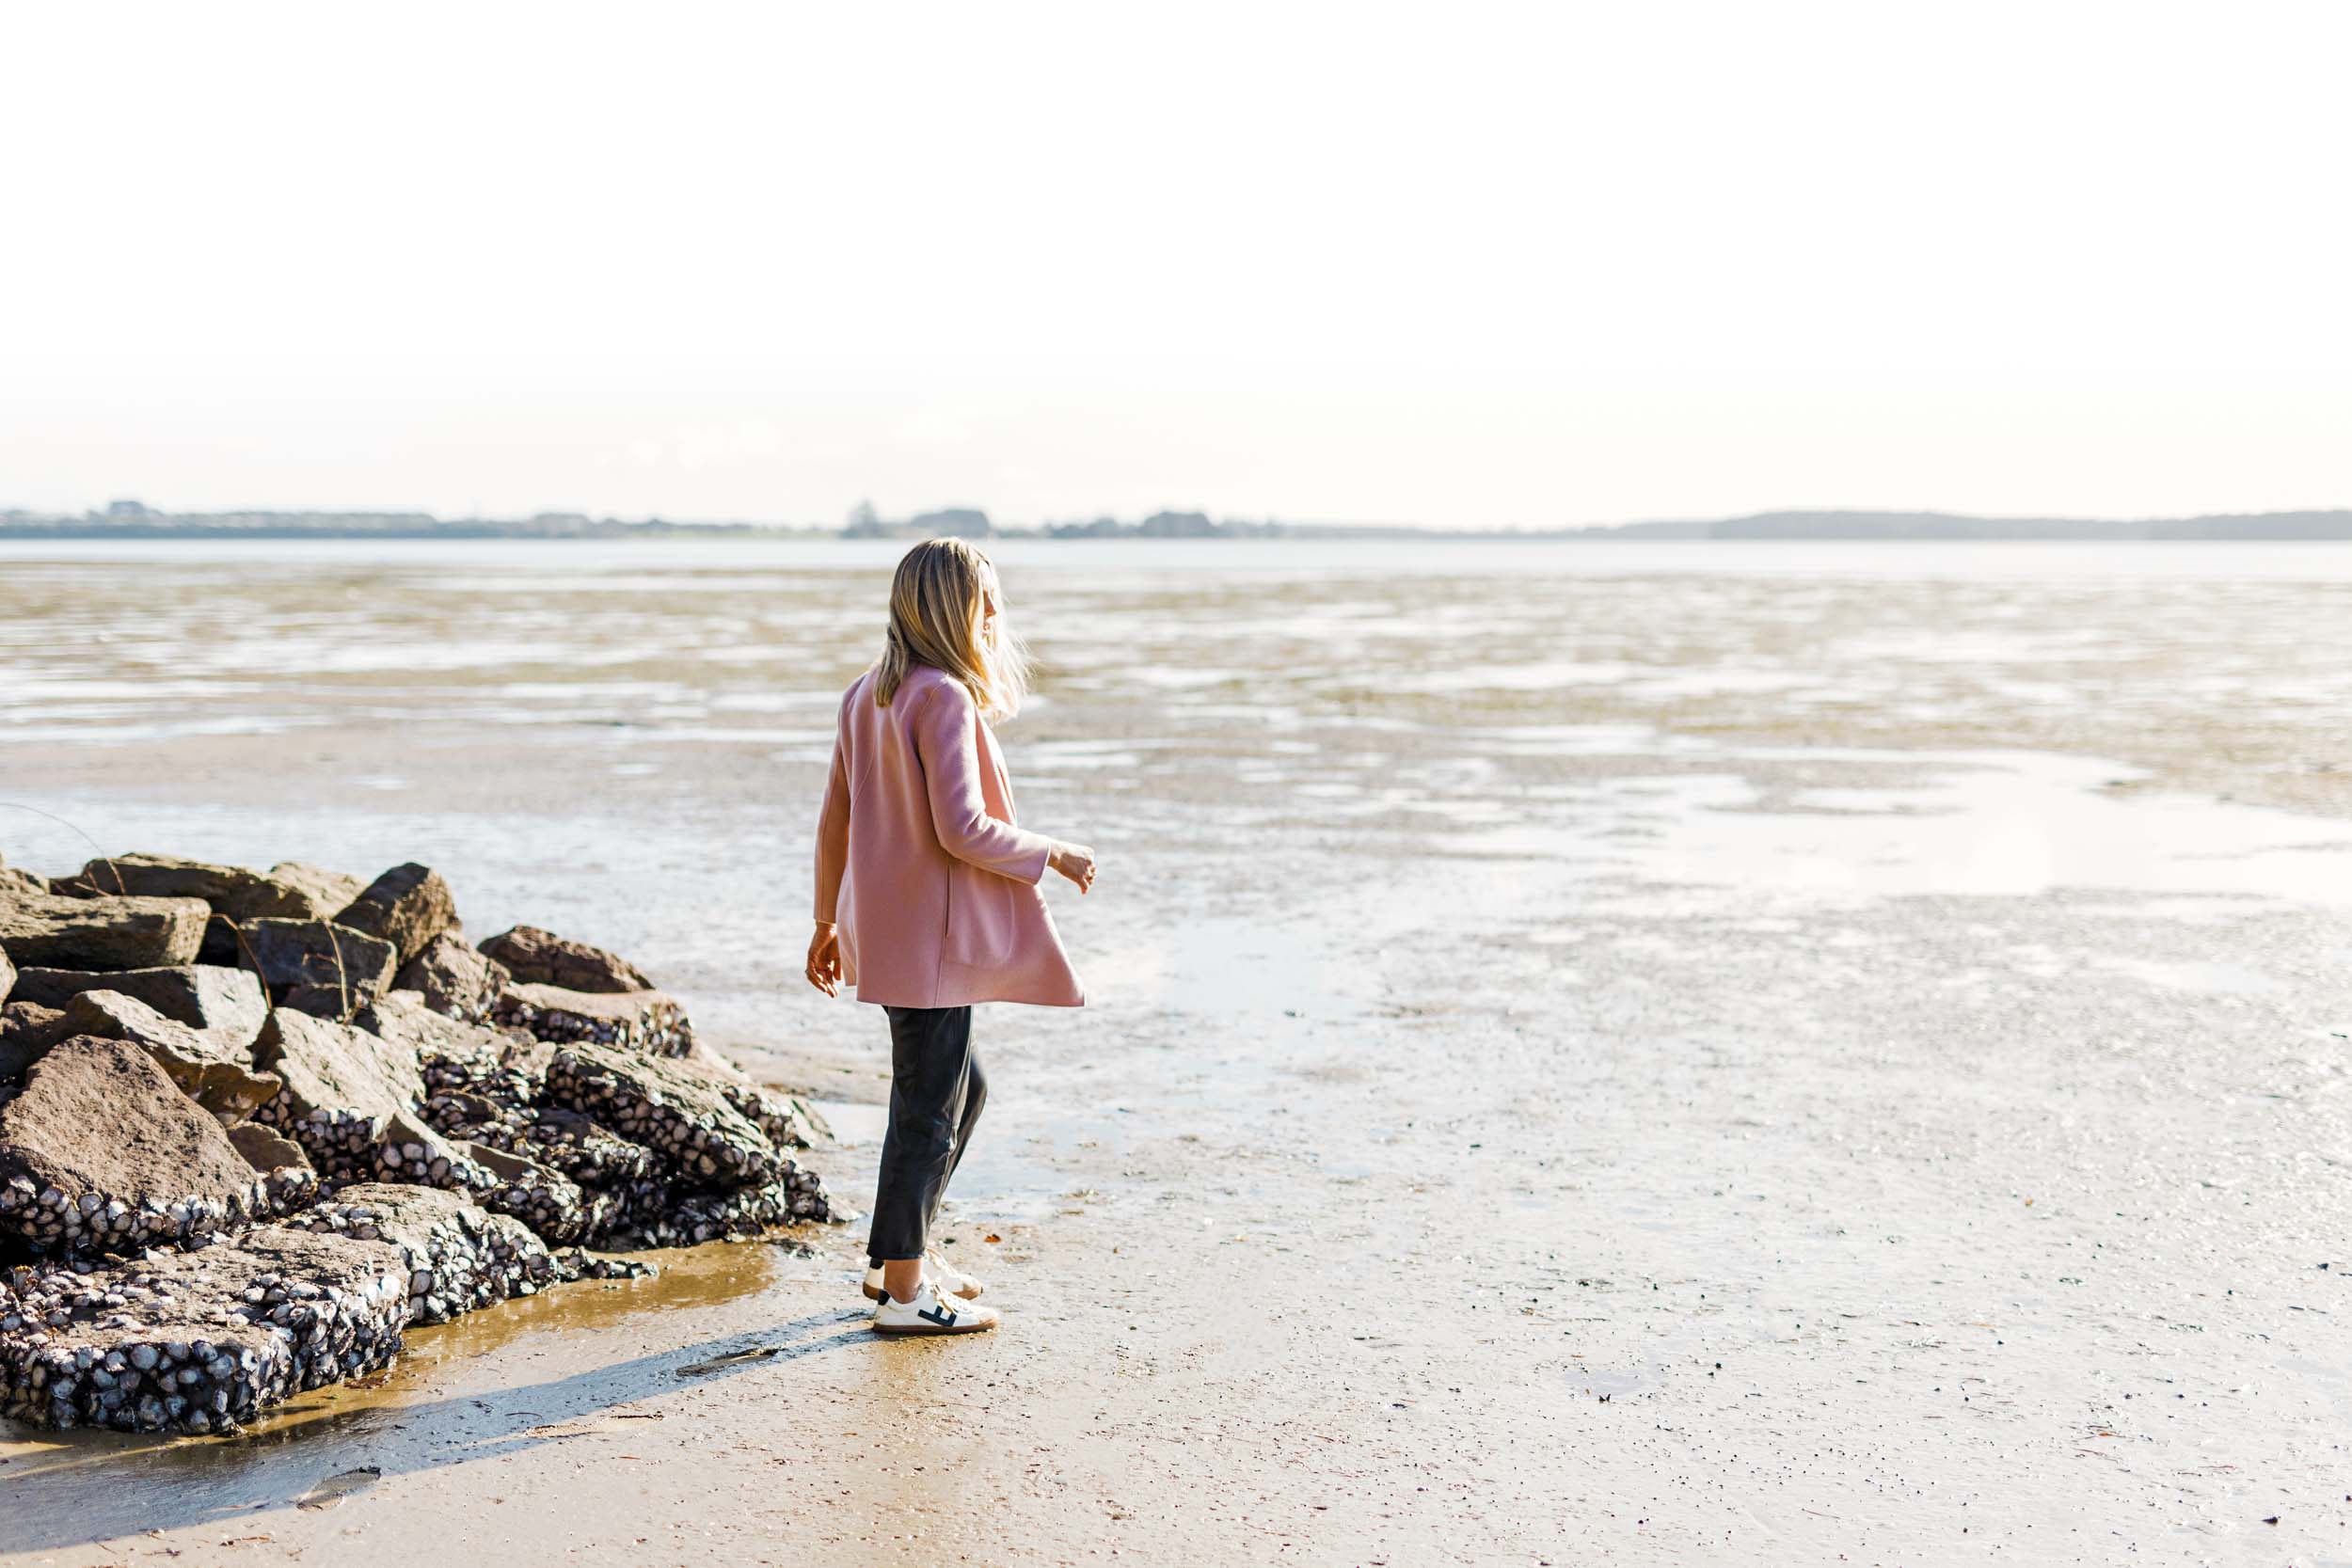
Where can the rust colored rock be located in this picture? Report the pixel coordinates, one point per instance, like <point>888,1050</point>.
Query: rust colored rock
<point>408,906</point>
<point>44,931</point>
<point>541,957</point>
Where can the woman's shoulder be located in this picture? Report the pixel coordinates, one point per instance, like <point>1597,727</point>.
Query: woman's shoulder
<point>926,679</point>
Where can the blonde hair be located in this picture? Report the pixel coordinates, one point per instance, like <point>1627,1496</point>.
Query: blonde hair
<point>938,601</point>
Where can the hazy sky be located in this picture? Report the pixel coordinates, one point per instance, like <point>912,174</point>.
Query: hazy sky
<point>1453,264</point>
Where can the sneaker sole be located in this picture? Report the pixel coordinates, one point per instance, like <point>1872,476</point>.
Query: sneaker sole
<point>873,1293</point>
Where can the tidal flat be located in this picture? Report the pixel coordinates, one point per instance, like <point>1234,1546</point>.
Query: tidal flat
<point>1689,1052</point>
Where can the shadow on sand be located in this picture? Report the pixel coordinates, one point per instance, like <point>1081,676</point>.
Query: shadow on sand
<point>95,1486</point>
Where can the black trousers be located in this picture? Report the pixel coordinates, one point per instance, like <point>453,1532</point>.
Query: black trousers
<point>936,1092</point>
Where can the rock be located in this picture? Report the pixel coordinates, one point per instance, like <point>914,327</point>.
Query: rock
<point>648,1020</point>
<point>102,1151</point>
<point>542,958</point>
<point>286,891</point>
<point>352,1100</point>
<point>680,1111</point>
<point>331,1003</point>
<point>295,953</point>
<point>211,997</point>
<point>43,930</point>
<point>8,976</point>
<point>214,1068</point>
<point>579,1147</point>
<point>343,1088</point>
<point>201,1341</point>
<point>408,906</point>
<point>285,1170</point>
<point>412,1153</point>
<point>550,1202</point>
<point>461,1058</point>
<point>402,1015</point>
<point>28,1030</point>
<point>454,978</point>
<point>696,1218</point>
<point>159,877</point>
<point>789,1121</point>
<point>14,882</point>
<point>265,1150</point>
<point>305,893</point>
<point>459,1256</point>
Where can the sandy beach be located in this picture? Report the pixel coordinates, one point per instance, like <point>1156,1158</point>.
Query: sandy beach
<point>1778,1054</point>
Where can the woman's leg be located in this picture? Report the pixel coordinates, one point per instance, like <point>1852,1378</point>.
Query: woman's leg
<point>975,1096</point>
<point>929,1063</point>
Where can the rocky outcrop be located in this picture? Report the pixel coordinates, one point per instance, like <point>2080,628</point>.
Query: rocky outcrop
<point>454,978</point>
<point>211,997</point>
<point>480,1127</point>
<point>647,1020</point>
<point>541,957</point>
<point>44,931</point>
<point>102,1151</point>
<point>214,1068</point>
<point>408,907</point>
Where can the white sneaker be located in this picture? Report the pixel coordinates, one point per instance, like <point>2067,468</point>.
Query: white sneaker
<point>951,1279</point>
<point>930,1312</point>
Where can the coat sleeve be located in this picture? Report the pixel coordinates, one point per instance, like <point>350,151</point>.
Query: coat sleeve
<point>944,739</point>
<point>832,823</point>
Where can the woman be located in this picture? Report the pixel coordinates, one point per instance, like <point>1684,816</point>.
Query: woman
<point>927,900</point>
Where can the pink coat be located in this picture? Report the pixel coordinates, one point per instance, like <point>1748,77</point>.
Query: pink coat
<point>918,861</point>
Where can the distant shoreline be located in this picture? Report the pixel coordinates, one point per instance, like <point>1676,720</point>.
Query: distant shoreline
<point>2324,527</point>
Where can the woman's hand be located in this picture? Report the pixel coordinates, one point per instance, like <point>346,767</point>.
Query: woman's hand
<point>1074,861</point>
<point>824,959</point>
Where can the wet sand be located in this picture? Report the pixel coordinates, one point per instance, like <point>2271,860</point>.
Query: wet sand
<point>1647,1067</point>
